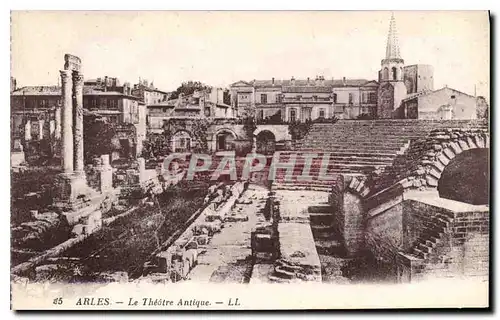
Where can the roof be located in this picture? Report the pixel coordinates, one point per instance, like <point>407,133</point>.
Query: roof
<point>305,83</point>
<point>38,91</point>
<point>308,89</point>
<point>56,91</point>
<point>428,92</point>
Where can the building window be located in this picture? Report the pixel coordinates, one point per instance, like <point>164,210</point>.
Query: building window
<point>263,98</point>
<point>315,98</point>
<point>322,113</point>
<point>453,97</point>
<point>299,97</point>
<point>261,114</point>
<point>104,102</point>
<point>279,98</point>
<point>372,97</point>
<point>112,103</point>
<point>293,115</point>
<point>350,98</point>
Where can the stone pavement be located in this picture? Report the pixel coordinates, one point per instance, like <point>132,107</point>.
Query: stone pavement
<point>227,258</point>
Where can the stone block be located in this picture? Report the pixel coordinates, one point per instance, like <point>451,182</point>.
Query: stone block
<point>449,153</point>
<point>456,147</point>
<point>463,145</point>
<point>431,181</point>
<point>105,160</point>
<point>435,173</point>
<point>479,141</point>
<point>443,159</point>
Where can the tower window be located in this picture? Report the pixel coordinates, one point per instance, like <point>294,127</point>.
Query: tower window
<point>453,97</point>
<point>385,74</point>
<point>394,73</point>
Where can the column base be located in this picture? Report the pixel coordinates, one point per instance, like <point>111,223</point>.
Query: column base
<point>72,191</point>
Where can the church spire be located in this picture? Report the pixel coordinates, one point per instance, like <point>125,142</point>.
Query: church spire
<point>392,48</point>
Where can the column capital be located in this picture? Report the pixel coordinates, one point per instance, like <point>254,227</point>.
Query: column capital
<point>64,74</point>
<point>77,77</point>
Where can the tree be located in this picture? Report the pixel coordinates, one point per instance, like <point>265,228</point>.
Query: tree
<point>188,88</point>
<point>98,137</point>
<point>482,108</point>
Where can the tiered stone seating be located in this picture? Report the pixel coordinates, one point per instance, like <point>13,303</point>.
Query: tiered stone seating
<point>357,147</point>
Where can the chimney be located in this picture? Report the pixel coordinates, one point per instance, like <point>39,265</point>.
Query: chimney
<point>308,80</point>
<point>273,81</point>
<point>343,81</point>
<point>292,81</point>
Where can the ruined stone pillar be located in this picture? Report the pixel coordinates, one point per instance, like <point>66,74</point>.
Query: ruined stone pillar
<point>57,132</point>
<point>67,122</point>
<point>41,123</point>
<point>141,167</point>
<point>254,144</point>
<point>106,174</point>
<point>78,124</point>
<point>27,130</point>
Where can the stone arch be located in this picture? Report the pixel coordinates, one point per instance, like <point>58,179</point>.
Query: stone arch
<point>466,177</point>
<point>265,142</point>
<point>450,151</point>
<point>182,141</point>
<point>224,139</point>
<point>269,128</point>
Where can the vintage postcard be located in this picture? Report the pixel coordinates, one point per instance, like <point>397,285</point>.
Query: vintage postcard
<point>249,160</point>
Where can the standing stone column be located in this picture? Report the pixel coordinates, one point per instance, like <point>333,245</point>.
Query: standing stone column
<point>67,122</point>
<point>78,124</point>
<point>57,132</point>
<point>27,130</point>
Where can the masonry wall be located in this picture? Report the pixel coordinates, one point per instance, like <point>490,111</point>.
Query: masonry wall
<point>353,223</point>
<point>416,216</point>
<point>384,235</point>
<point>465,250</point>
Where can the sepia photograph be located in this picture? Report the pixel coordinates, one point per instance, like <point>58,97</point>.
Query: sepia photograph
<point>249,160</point>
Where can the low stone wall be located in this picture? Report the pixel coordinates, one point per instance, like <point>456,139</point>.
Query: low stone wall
<point>176,261</point>
<point>418,237</point>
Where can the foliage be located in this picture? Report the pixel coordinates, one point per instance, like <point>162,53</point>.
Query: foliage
<point>199,131</point>
<point>365,116</point>
<point>98,137</point>
<point>188,88</point>
<point>155,145</point>
<point>331,120</point>
<point>482,108</point>
<point>298,130</point>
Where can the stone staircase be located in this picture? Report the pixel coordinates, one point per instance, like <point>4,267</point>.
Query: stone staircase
<point>432,236</point>
<point>355,147</point>
<point>326,239</point>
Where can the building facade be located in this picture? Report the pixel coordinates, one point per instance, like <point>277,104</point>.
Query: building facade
<point>148,93</point>
<point>396,88</point>
<point>36,112</point>
<point>305,99</point>
<point>207,104</point>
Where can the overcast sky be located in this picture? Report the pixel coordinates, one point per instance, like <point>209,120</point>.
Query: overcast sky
<point>220,48</point>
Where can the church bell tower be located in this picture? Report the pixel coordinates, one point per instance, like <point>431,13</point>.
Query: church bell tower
<point>392,88</point>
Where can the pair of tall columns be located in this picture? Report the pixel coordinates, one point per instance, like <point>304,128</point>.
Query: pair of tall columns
<point>72,121</point>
